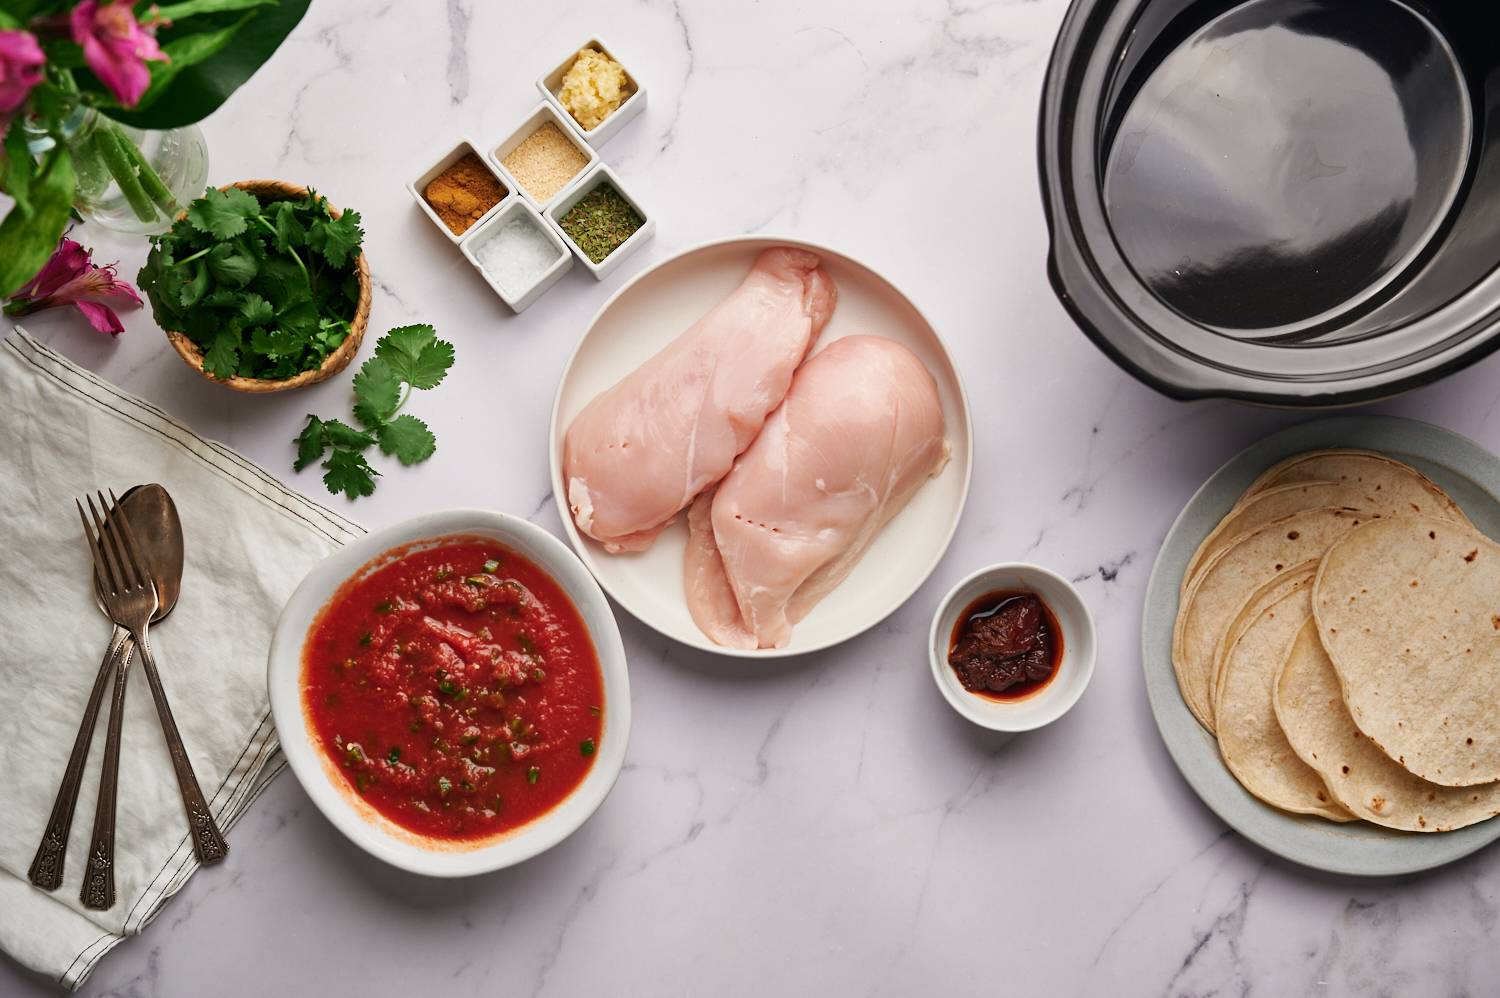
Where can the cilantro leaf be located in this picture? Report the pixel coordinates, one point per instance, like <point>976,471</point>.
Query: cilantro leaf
<point>377,392</point>
<point>290,232</point>
<point>222,358</point>
<point>348,472</point>
<point>255,310</point>
<point>416,355</point>
<point>194,288</point>
<point>311,443</point>
<point>408,439</point>
<point>342,435</point>
<point>223,214</point>
<point>231,264</point>
<point>337,239</point>
<point>409,356</point>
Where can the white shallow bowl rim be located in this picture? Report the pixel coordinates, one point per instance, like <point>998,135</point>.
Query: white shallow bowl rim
<point>298,742</point>
<point>701,642</point>
<point>1080,638</point>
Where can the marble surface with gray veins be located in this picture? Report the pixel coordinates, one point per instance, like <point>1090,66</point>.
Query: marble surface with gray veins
<point>826,826</point>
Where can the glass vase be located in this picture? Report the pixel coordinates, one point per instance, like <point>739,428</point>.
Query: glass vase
<point>131,179</point>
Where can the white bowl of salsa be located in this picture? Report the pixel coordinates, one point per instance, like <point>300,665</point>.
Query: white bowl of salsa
<point>452,692</point>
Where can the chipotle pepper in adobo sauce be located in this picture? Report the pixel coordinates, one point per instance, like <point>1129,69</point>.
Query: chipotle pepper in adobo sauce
<point>1006,645</point>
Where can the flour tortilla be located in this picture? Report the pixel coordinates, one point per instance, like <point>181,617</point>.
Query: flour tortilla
<point>1250,738</point>
<point>1230,578</point>
<point>1295,578</point>
<point>1397,487</point>
<point>1272,504</point>
<point>1409,611</point>
<point>1362,778</point>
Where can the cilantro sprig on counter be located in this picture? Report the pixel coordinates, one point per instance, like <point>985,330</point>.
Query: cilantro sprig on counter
<point>265,289</point>
<point>407,358</point>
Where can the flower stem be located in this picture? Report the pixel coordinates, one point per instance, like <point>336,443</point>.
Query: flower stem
<point>111,146</point>
<point>155,189</point>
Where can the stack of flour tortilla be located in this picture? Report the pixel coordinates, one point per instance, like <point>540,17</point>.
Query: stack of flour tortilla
<point>1339,633</point>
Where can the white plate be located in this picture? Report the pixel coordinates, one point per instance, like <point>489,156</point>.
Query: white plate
<point>653,309</point>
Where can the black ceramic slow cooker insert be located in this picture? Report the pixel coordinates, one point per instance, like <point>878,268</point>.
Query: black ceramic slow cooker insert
<point>1294,202</point>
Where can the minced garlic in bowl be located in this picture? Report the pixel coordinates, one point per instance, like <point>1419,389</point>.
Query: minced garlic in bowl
<point>593,88</point>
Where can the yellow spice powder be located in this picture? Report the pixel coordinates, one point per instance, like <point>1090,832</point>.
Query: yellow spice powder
<point>593,88</point>
<point>544,162</point>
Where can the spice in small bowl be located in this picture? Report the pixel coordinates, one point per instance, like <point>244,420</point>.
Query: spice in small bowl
<point>601,221</point>
<point>459,191</point>
<point>594,88</point>
<point>543,156</point>
<point>462,193</point>
<point>518,254</point>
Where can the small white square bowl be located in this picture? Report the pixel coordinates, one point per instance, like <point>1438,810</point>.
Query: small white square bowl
<point>601,133</point>
<point>539,116</point>
<point>486,229</point>
<point>455,154</point>
<point>593,178</point>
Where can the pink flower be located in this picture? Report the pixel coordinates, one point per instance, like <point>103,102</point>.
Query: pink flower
<point>21,61</point>
<point>72,278</point>
<point>116,47</point>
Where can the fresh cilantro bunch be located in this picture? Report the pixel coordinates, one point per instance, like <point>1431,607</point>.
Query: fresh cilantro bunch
<point>264,290</point>
<point>406,358</point>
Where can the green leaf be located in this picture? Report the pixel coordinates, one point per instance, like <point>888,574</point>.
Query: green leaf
<point>290,232</point>
<point>193,289</point>
<point>311,443</point>
<point>255,309</point>
<point>348,472</point>
<point>230,264</point>
<point>222,359</point>
<point>336,239</point>
<point>223,214</point>
<point>17,170</point>
<point>27,241</point>
<point>377,392</point>
<point>416,355</point>
<point>408,439</point>
<point>192,8</point>
<point>341,434</point>
<point>196,91</point>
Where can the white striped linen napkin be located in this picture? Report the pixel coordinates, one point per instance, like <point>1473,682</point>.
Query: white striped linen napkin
<point>249,540</point>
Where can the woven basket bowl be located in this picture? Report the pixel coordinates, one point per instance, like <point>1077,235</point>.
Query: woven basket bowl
<point>276,190</point>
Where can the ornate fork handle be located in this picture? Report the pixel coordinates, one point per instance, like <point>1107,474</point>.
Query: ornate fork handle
<point>47,866</point>
<point>99,876</point>
<point>208,841</point>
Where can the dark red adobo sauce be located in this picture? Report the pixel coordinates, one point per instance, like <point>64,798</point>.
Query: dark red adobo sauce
<point>456,690</point>
<point>1006,645</point>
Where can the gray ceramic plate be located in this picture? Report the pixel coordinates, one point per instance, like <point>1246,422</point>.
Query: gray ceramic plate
<point>1468,473</point>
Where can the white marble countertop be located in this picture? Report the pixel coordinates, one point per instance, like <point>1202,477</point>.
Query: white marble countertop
<point>830,826</point>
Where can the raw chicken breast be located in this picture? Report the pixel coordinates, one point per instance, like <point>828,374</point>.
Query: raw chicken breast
<point>639,452</point>
<point>860,431</point>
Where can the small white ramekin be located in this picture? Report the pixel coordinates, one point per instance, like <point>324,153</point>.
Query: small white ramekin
<point>593,178</point>
<point>455,154</point>
<point>479,233</point>
<point>601,133</point>
<point>1074,672</point>
<point>539,116</point>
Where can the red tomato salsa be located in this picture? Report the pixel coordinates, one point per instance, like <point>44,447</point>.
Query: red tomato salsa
<point>456,689</point>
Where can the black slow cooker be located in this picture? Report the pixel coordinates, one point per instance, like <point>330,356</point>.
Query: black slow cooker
<point>1290,202</point>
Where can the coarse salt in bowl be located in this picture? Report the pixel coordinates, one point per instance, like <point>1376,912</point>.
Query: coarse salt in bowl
<point>518,254</point>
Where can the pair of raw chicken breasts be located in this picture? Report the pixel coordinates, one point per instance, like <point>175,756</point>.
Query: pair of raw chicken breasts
<point>790,468</point>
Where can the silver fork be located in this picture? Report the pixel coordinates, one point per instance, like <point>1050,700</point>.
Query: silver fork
<point>129,597</point>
